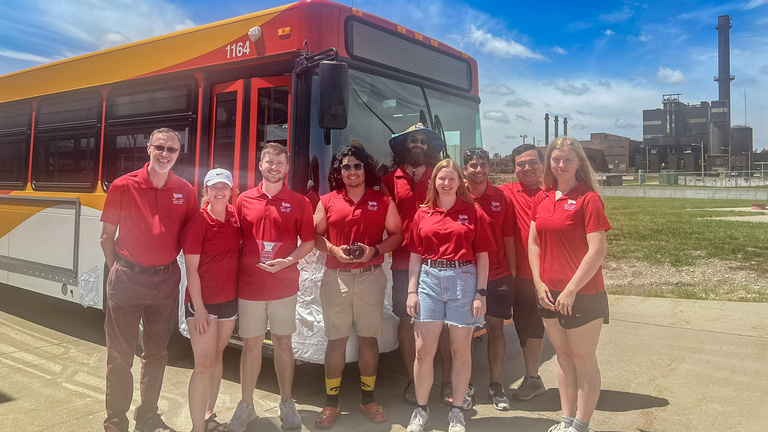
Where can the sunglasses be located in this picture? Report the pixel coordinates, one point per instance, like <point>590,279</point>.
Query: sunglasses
<point>416,140</point>
<point>162,148</point>
<point>356,166</point>
<point>477,151</point>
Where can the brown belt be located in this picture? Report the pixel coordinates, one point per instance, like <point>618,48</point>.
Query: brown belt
<point>444,264</point>
<point>144,270</point>
<point>367,269</point>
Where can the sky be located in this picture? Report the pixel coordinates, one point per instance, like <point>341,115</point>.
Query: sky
<point>598,63</point>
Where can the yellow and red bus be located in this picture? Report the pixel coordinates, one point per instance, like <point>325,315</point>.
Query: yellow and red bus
<point>69,128</point>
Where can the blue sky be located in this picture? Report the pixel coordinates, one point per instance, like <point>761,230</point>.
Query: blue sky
<point>598,63</point>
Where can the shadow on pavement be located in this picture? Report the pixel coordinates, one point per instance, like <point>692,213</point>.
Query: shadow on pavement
<point>610,401</point>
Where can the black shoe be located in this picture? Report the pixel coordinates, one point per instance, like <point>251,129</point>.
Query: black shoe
<point>152,423</point>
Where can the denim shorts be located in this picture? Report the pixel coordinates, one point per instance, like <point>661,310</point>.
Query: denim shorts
<point>447,295</point>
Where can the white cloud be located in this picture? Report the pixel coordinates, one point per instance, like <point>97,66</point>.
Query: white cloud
<point>500,47</point>
<point>559,50</point>
<point>518,103</point>
<point>567,88</point>
<point>642,37</point>
<point>496,116</point>
<point>24,56</point>
<point>621,124</point>
<point>670,76</point>
<point>608,32</point>
<point>521,118</point>
<point>500,90</point>
<point>617,17</point>
<point>753,4</point>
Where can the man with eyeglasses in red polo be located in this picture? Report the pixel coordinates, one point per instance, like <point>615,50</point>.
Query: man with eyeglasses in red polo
<point>415,153</point>
<point>150,206</point>
<point>529,169</point>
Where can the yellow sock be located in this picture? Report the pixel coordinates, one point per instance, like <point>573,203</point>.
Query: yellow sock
<point>332,386</point>
<point>367,382</point>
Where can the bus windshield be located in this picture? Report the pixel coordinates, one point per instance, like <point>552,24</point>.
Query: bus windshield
<point>379,106</point>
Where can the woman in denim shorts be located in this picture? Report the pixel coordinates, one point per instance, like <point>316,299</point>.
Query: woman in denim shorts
<point>566,248</point>
<point>448,273</point>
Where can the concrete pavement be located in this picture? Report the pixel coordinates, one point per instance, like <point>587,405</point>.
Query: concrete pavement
<point>667,365</point>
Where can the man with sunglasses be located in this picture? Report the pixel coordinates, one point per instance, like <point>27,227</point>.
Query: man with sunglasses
<point>529,169</point>
<point>415,152</point>
<point>150,206</point>
<point>349,223</point>
<point>500,291</point>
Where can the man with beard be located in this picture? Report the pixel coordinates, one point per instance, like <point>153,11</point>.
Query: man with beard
<point>272,217</point>
<point>150,206</point>
<point>529,169</point>
<point>415,152</point>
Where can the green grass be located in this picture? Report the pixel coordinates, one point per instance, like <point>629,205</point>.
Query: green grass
<point>675,232</point>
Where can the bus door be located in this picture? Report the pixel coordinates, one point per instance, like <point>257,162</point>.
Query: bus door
<point>245,115</point>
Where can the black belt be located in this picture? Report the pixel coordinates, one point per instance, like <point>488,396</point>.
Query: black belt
<point>367,269</point>
<point>444,264</point>
<point>140,269</point>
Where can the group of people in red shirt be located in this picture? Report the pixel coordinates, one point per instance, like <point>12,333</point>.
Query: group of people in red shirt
<point>464,253</point>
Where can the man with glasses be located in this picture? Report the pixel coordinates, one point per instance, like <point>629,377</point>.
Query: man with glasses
<point>272,218</point>
<point>415,152</point>
<point>529,169</point>
<point>150,206</point>
<point>349,223</point>
<point>501,267</point>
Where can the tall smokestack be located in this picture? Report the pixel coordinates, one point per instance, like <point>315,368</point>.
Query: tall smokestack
<point>557,124</point>
<point>565,126</point>
<point>721,109</point>
<point>546,130</point>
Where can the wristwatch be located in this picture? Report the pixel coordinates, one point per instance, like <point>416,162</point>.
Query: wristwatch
<point>376,252</point>
<point>482,292</point>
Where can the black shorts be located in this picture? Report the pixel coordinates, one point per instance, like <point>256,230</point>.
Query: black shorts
<point>525,312</point>
<point>501,294</point>
<point>400,293</point>
<point>586,308</point>
<point>220,311</point>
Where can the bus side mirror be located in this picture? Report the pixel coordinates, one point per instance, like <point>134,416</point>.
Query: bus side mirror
<point>332,95</point>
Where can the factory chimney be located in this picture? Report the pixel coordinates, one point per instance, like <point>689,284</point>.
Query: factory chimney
<point>721,109</point>
<point>557,124</point>
<point>565,126</point>
<point>546,130</point>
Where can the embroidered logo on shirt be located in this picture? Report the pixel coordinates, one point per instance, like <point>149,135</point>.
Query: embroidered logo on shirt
<point>495,206</point>
<point>178,198</point>
<point>234,222</point>
<point>464,219</point>
<point>373,205</point>
<point>285,207</point>
<point>570,205</point>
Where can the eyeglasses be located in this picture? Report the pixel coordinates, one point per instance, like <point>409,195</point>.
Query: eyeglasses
<point>533,163</point>
<point>357,167</point>
<point>161,148</point>
<point>477,152</point>
<point>416,140</point>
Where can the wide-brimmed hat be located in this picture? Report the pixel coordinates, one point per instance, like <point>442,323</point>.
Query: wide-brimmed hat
<point>435,139</point>
<point>218,175</point>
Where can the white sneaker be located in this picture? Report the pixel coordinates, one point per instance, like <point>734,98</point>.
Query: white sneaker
<point>560,427</point>
<point>456,421</point>
<point>419,420</point>
<point>289,417</point>
<point>469,398</point>
<point>498,397</point>
<point>244,414</point>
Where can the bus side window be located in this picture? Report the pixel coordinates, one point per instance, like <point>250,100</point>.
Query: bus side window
<point>15,130</point>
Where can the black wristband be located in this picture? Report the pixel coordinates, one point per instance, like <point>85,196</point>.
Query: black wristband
<point>376,252</point>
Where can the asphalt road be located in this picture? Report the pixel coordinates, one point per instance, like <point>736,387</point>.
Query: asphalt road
<point>667,365</point>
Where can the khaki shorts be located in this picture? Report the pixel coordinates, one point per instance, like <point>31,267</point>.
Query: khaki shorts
<point>353,299</point>
<point>277,315</point>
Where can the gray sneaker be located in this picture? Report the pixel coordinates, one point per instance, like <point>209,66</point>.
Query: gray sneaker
<point>152,423</point>
<point>498,397</point>
<point>529,388</point>
<point>244,414</point>
<point>419,420</point>
<point>289,417</point>
<point>560,427</point>
<point>456,421</point>
<point>469,398</point>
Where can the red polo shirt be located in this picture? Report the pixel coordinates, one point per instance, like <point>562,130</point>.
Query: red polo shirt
<point>522,198</point>
<point>274,225</point>
<point>457,234</point>
<point>150,220</point>
<point>562,226</point>
<point>499,210</point>
<point>349,222</point>
<point>218,244</point>
<point>408,197</point>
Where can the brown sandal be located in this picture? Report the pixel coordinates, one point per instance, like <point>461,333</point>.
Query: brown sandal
<point>447,392</point>
<point>410,393</point>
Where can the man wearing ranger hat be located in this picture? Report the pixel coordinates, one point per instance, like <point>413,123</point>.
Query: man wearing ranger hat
<point>414,154</point>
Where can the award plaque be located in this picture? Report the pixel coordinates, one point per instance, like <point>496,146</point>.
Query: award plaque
<point>268,250</point>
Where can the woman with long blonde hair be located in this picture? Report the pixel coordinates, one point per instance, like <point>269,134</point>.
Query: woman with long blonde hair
<point>566,248</point>
<point>448,275</point>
